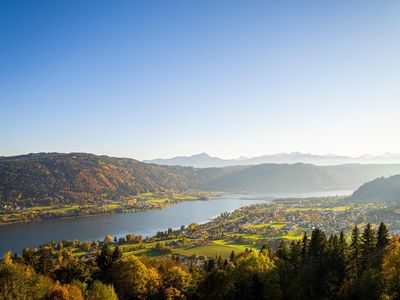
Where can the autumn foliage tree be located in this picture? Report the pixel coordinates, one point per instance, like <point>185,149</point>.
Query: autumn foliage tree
<point>366,266</point>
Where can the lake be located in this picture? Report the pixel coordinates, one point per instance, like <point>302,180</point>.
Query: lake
<point>15,237</point>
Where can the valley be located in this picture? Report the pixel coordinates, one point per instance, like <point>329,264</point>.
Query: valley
<point>248,227</point>
<point>56,185</point>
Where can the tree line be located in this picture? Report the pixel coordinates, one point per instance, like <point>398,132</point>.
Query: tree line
<point>364,265</point>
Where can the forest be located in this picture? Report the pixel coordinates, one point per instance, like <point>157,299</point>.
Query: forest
<point>60,179</point>
<point>364,264</point>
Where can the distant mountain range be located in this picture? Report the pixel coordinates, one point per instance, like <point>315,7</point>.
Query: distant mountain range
<point>379,190</point>
<point>203,160</point>
<point>82,177</point>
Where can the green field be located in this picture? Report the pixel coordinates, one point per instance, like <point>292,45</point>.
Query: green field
<point>78,252</point>
<point>152,252</point>
<point>250,236</point>
<point>336,208</point>
<point>145,195</point>
<point>240,247</point>
<point>51,209</point>
<point>216,248</point>
<point>208,250</point>
<point>272,224</point>
<point>291,237</point>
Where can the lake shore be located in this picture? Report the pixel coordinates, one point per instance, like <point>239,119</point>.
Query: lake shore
<point>139,203</point>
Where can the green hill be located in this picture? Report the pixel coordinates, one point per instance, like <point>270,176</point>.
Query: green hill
<point>379,190</point>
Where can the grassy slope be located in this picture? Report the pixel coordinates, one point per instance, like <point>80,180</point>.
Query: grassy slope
<point>215,248</point>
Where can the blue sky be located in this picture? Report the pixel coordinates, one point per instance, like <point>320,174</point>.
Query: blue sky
<point>147,79</point>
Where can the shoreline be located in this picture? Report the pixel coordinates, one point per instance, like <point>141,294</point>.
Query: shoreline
<point>214,195</point>
<point>134,224</point>
<point>108,213</point>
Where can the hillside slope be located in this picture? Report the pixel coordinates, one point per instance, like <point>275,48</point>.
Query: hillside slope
<point>80,177</point>
<point>357,174</point>
<point>379,190</point>
<point>279,178</point>
<point>298,177</point>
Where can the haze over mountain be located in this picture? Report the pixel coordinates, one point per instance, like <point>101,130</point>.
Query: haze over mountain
<point>80,177</point>
<point>203,160</point>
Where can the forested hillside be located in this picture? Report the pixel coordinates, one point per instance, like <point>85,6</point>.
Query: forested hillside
<point>80,176</point>
<point>379,190</point>
<point>54,178</point>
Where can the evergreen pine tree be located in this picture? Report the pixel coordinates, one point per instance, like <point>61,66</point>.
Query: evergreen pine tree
<point>336,263</point>
<point>284,265</point>
<point>45,262</point>
<point>256,287</point>
<point>368,244</point>
<point>382,241</point>
<point>232,256</point>
<point>354,266</point>
<point>104,260</point>
<point>283,251</point>
<point>343,257</point>
<point>295,255</point>
<point>317,264</point>
<point>317,244</point>
<point>117,254</point>
<point>382,237</point>
<point>304,248</point>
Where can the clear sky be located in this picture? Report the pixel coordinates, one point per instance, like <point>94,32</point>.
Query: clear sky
<point>146,79</point>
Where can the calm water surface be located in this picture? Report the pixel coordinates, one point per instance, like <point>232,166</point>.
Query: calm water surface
<point>15,237</point>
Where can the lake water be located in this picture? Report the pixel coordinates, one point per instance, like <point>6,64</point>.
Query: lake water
<point>15,237</point>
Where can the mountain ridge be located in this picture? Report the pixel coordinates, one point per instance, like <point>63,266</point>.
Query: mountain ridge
<point>382,189</point>
<point>204,160</point>
<point>64,178</point>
